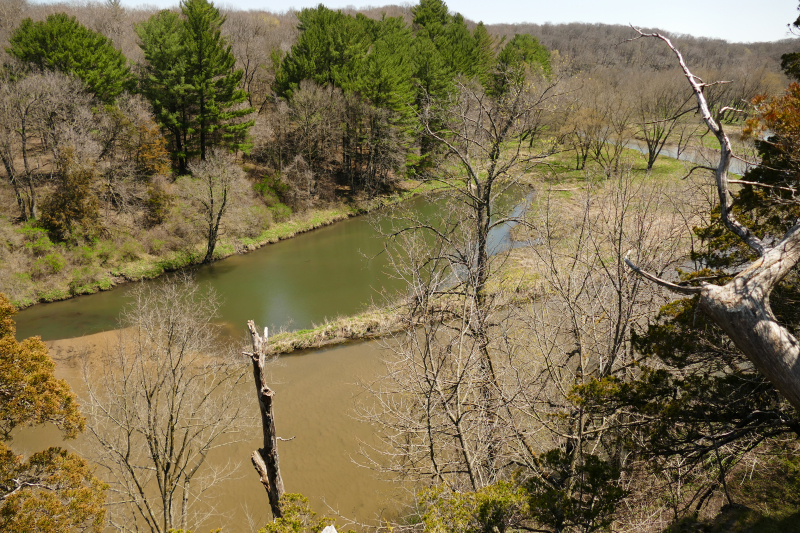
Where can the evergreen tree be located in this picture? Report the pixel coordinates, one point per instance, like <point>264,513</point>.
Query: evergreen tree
<point>330,50</point>
<point>431,16</point>
<point>51,490</point>
<point>164,80</point>
<point>458,47</point>
<point>521,54</point>
<point>190,80</point>
<point>213,80</point>
<point>386,79</point>
<point>483,58</point>
<point>62,43</point>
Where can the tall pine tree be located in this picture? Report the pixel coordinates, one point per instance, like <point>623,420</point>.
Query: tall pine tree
<point>191,82</point>
<point>164,81</point>
<point>214,82</point>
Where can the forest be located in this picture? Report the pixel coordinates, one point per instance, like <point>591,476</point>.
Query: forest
<point>627,363</point>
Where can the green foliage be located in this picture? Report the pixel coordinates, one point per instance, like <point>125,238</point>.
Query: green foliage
<point>497,508</point>
<point>84,279</point>
<point>280,212</point>
<point>52,263</point>
<point>131,250</point>
<point>297,517</point>
<point>214,80</point>
<point>53,490</point>
<point>271,189</point>
<point>432,16</point>
<point>37,240</point>
<point>330,50</point>
<point>483,57</point>
<point>386,77</point>
<point>520,55</point>
<point>165,81</point>
<point>582,493</point>
<point>565,494</point>
<point>61,43</point>
<point>190,80</point>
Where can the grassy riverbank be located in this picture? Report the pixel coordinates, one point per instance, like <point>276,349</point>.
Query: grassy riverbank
<point>35,269</point>
<point>518,279</point>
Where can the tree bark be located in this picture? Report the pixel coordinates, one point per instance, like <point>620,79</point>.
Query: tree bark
<point>741,308</point>
<point>265,460</point>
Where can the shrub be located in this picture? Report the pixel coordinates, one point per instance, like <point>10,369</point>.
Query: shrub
<point>50,264</point>
<point>84,254</point>
<point>155,246</point>
<point>37,240</point>
<point>56,262</point>
<point>271,190</point>
<point>255,219</point>
<point>71,212</point>
<point>84,279</point>
<point>158,204</point>
<point>130,250</point>
<point>280,212</point>
<point>104,251</point>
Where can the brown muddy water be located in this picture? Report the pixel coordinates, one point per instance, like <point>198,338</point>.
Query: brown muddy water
<point>314,398</point>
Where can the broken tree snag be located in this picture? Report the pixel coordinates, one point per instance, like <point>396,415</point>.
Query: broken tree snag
<point>265,460</point>
<point>741,307</point>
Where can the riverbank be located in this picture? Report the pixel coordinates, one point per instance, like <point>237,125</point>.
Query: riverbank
<point>106,268</point>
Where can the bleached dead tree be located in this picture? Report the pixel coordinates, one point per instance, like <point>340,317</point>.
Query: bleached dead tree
<point>741,307</point>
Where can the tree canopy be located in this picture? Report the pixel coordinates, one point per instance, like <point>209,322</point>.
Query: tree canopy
<point>53,490</point>
<point>62,43</point>
<point>190,79</point>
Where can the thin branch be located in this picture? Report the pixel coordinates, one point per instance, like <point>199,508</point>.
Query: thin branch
<point>726,151</point>
<point>757,184</point>
<point>664,283</point>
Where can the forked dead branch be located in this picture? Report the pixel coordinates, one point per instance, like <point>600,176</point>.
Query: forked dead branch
<point>741,307</point>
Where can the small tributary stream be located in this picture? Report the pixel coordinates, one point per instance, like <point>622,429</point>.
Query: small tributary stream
<point>336,270</point>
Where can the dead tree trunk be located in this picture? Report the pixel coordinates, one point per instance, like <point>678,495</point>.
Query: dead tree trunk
<point>741,307</point>
<point>265,460</point>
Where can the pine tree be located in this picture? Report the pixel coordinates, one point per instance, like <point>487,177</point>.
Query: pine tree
<point>164,81</point>
<point>62,43</point>
<point>483,58</point>
<point>431,16</point>
<point>458,47</point>
<point>214,82</point>
<point>386,79</point>
<point>191,82</point>
<point>330,50</point>
<point>521,54</point>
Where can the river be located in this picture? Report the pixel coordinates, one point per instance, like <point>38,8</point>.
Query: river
<point>336,270</point>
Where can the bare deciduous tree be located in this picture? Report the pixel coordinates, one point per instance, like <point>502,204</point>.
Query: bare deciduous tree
<point>160,399</point>
<point>659,105</point>
<point>36,113</point>
<point>214,189</point>
<point>442,407</point>
<point>741,307</point>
